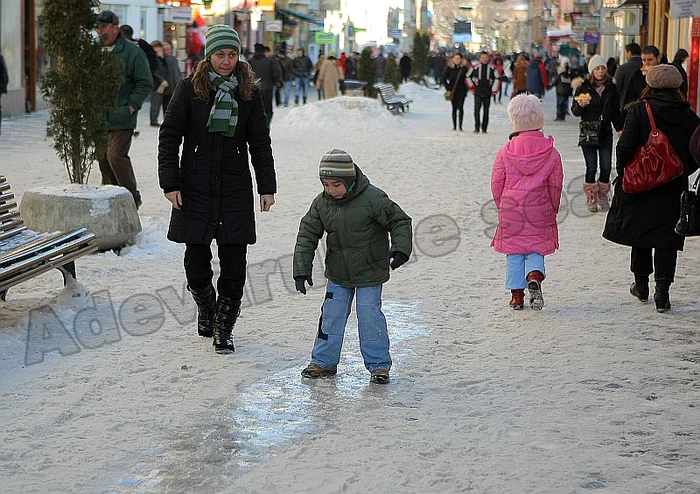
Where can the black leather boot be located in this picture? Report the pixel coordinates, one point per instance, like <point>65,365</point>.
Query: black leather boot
<point>206,310</point>
<point>227,312</point>
<point>640,287</point>
<point>661,297</point>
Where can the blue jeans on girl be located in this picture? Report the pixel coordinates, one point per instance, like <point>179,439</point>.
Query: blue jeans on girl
<point>374,339</point>
<point>518,266</point>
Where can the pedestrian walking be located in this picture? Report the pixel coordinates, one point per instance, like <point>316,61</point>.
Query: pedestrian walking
<point>481,79</point>
<point>115,164</point>
<point>4,82</point>
<point>405,66</point>
<point>160,83</point>
<point>455,83</point>
<point>329,77</point>
<point>287,75</point>
<point>270,74</point>
<point>646,221</point>
<point>219,113</point>
<point>174,74</point>
<point>358,218</point>
<point>526,184</point>
<point>562,83</point>
<point>302,68</point>
<point>597,102</point>
<point>519,76</point>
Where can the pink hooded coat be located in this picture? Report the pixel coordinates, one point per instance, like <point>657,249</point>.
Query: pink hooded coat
<point>526,184</point>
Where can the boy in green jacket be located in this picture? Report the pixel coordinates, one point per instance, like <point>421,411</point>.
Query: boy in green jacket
<point>357,218</point>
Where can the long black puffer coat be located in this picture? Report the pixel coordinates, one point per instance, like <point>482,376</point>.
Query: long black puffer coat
<point>213,174</point>
<point>647,220</point>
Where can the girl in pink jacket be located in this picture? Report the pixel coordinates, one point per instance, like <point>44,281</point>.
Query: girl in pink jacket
<point>526,184</point>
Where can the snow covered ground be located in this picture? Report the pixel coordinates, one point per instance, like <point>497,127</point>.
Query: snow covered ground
<point>595,392</point>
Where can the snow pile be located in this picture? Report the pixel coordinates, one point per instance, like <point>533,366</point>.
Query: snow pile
<point>418,92</point>
<point>344,111</point>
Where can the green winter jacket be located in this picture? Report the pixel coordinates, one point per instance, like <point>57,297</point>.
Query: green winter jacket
<point>137,84</point>
<point>357,241</point>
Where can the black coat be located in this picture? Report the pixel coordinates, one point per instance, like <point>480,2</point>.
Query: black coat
<point>647,220</point>
<point>213,174</point>
<point>267,69</point>
<point>456,80</point>
<point>607,106</point>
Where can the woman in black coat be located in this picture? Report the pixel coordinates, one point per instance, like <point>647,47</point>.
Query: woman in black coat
<point>222,120</point>
<point>597,99</point>
<point>455,82</point>
<point>646,221</point>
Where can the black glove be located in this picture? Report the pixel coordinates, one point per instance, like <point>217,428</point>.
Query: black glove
<point>299,282</point>
<point>397,259</point>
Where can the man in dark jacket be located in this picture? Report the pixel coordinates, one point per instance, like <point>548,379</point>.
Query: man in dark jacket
<point>302,67</point>
<point>637,82</point>
<point>623,74</point>
<point>405,65</point>
<point>160,73</point>
<point>270,74</point>
<point>678,61</point>
<point>562,82</point>
<point>287,75</point>
<point>4,81</point>
<point>381,66</point>
<point>174,74</point>
<point>481,80</point>
<point>536,76</point>
<point>115,164</point>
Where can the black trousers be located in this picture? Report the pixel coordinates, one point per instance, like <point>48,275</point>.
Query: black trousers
<point>479,103</point>
<point>458,109</point>
<point>662,263</point>
<point>232,261</point>
<point>267,104</point>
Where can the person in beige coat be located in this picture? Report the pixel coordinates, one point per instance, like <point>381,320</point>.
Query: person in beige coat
<point>329,78</point>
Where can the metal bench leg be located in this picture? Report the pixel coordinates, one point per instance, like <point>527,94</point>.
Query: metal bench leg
<point>3,294</point>
<point>66,270</point>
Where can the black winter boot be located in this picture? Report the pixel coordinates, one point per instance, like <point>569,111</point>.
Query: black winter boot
<point>640,287</point>
<point>227,311</point>
<point>661,298</point>
<point>206,310</point>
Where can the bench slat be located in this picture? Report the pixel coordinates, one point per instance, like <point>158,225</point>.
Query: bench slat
<point>6,206</point>
<point>8,215</point>
<point>6,196</point>
<point>10,226</point>
<point>52,256</point>
<point>41,243</point>
<point>42,268</point>
<point>11,233</point>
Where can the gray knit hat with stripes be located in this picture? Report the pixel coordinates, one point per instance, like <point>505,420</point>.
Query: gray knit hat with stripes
<point>221,37</point>
<point>337,164</point>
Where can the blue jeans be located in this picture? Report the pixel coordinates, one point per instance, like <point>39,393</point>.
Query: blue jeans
<point>302,84</point>
<point>562,106</point>
<point>374,339</point>
<point>590,154</point>
<point>518,266</point>
<point>287,92</point>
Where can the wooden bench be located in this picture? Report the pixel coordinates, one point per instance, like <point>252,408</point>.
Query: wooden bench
<point>393,102</point>
<point>25,254</point>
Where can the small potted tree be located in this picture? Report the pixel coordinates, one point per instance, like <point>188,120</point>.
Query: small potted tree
<point>84,81</point>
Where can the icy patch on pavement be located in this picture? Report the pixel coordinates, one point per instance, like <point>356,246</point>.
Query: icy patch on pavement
<point>285,406</point>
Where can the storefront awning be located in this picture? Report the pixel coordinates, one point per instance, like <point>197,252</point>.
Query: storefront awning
<point>300,15</point>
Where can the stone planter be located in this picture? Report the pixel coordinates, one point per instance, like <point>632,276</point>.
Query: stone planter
<point>107,211</point>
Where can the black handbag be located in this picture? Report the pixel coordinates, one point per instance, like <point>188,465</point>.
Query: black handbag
<point>589,133</point>
<point>689,223</point>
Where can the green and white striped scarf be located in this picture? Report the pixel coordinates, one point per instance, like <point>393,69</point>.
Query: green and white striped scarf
<point>223,116</point>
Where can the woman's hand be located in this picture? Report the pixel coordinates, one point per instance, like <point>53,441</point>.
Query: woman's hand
<point>266,202</point>
<point>175,198</point>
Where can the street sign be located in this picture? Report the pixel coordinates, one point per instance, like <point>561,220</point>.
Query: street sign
<point>324,38</point>
<point>273,26</point>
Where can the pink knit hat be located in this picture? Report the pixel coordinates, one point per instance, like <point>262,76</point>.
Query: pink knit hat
<point>525,111</point>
